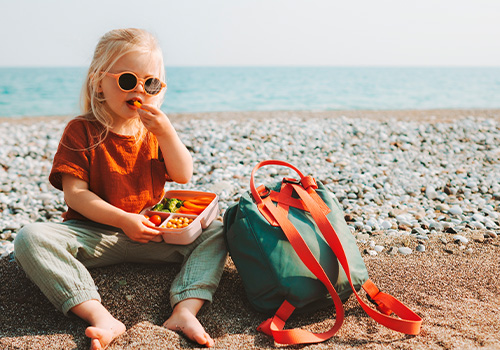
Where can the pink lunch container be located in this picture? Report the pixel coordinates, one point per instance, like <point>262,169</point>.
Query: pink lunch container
<point>188,234</point>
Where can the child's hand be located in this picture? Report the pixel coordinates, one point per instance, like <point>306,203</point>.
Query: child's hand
<point>155,120</point>
<point>138,228</point>
<point>179,163</point>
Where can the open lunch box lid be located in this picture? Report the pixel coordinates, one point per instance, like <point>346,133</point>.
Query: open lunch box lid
<point>188,234</point>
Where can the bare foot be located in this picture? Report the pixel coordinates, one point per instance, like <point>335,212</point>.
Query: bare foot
<point>104,327</point>
<point>102,336</point>
<point>183,319</point>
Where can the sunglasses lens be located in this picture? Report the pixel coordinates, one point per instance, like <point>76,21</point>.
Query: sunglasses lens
<point>127,81</point>
<point>152,86</point>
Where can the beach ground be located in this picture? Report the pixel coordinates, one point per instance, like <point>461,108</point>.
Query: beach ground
<point>456,294</point>
<point>455,291</point>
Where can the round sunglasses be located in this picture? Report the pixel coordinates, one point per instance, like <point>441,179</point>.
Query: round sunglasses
<point>128,81</point>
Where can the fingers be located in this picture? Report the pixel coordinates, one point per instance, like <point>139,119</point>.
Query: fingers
<point>148,233</point>
<point>150,114</point>
<point>146,117</point>
<point>149,110</point>
<point>158,239</point>
<point>148,238</point>
<point>151,228</point>
<point>148,223</point>
<point>152,232</point>
<point>150,119</point>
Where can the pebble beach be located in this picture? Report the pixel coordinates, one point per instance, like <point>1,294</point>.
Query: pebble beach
<point>394,177</point>
<point>414,185</point>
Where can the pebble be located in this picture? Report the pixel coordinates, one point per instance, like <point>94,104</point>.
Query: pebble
<point>371,252</point>
<point>478,217</point>
<point>393,178</point>
<point>456,210</point>
<point>443,207</point>
<point>460,239</point>
<point>422,238</point>
<point>420,248</point>
<point>436,226</point>
<point>386,225</point>
<point>491,234</point>
<point>405,250</point>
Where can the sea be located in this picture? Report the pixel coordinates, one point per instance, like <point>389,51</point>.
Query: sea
<point>55,91</point>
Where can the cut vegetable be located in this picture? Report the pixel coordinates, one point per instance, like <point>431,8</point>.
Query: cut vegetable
<point>184,210</point>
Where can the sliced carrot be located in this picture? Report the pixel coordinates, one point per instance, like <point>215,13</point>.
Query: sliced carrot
<point>194,206</point>
<point>204,198</point>
<point>201,200</point>
<point>189,211</point>
<point>184,210</point>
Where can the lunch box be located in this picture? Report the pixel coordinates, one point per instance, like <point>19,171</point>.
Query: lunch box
<point>188,234</point>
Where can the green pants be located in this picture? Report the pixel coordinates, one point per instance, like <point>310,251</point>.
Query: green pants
<point>55,256</point>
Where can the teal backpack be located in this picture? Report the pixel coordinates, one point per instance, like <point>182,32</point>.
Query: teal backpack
<point>294,251</point>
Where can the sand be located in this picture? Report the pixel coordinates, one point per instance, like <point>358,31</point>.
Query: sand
<point>454,291</point>
<point>457,295</point>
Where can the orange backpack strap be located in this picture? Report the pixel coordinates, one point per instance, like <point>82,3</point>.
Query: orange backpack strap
<point>408,323</point>
<point>274,326</point>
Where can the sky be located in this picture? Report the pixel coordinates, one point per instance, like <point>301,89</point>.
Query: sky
<point>259,32</point>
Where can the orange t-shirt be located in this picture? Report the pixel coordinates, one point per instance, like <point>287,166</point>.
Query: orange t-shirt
<point>123,171</point>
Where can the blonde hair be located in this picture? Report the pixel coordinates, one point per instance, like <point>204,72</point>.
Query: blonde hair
<point>111,47</point>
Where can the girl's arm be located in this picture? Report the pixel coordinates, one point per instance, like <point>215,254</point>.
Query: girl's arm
<point>78,196</point>
<point>178,160</point>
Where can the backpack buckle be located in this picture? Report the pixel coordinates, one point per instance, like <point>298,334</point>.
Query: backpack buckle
<point>264,191</point>
<point>288,180</point>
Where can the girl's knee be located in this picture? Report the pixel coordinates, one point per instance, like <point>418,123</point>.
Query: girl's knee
<point>29,237</point>
<point>25,234</point>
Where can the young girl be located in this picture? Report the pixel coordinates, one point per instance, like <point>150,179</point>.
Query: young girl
<point>111,163</point>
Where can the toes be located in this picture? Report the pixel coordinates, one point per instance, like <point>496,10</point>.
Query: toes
<point>203,339</point>
<point>95,344</point>
<point>210,342</point>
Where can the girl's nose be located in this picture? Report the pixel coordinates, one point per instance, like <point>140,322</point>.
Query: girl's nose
<point>140,86</point>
